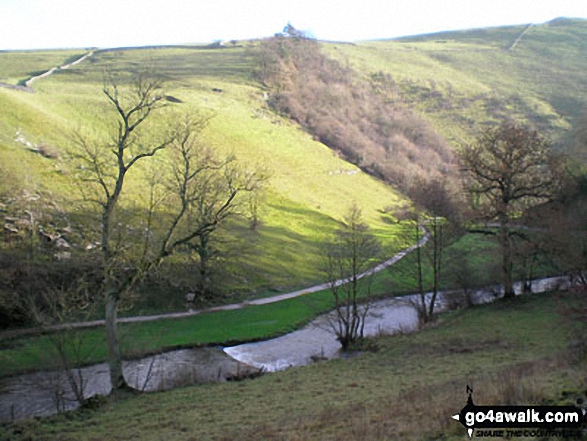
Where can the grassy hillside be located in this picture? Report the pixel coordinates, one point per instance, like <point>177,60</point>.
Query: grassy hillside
<point>17,67</point>
<point>511,353</point>
<point>459,81</point>
<point>463,80</point>
<point>309,187</point>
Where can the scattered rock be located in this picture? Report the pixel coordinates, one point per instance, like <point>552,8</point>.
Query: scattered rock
<point>46,238</point>
<point>11,229</point>
<point>23,222</point>
<point>217,90</point>
<point>62,243</point>
<point>44,150</point>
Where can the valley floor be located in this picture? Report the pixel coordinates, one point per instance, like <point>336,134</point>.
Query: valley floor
<point>399,387</point>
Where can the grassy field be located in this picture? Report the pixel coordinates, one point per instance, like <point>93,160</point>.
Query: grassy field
<point>16,67</point>
<point>463,80</point>
<point>510,352</point>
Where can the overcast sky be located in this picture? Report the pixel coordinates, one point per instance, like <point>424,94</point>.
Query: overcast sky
<point>35,24</point>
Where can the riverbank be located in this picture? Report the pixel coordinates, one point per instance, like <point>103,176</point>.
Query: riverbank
<point>35,394</point>
<point>240,305</point>
<point>404,386</point>
<point>33,349</point>
<point>139,339</point>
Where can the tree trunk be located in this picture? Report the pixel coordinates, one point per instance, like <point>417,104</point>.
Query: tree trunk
<point>204,255</point>
<point>423,308</point>
<point>437,242</point>
<point>114,355</point>
<point>507,262</point>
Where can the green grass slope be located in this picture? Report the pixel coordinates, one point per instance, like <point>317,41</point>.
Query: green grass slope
<point>309,188</point>
<point>463,80</point>
<point>18,66</point>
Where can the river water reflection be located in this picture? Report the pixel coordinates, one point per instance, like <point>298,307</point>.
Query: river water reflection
<point>46,393</point>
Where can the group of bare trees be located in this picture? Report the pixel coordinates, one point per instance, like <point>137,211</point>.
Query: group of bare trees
<point>507,170</point>
<point>510,169</point>
<point>510,174</point>
<point>348,258</point>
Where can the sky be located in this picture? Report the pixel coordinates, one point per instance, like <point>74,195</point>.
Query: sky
<point>40,24</point>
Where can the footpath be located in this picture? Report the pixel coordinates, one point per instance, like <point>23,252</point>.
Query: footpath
<point>178,315</point>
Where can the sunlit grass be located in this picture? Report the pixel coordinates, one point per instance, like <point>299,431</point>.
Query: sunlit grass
<point>309,188</point>
<point>17,66</point>
<point>477,252</point>
<point>461,80</point>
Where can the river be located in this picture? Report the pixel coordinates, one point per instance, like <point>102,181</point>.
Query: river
<point>46,393</point>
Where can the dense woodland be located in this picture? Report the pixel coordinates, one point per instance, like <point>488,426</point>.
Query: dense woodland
<point>360,119</point>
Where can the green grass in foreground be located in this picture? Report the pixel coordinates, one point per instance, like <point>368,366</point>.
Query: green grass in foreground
<point>251,323</point>
<point>511,352</point>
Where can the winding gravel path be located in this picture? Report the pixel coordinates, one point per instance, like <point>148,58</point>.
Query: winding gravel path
<point>31,80</point>
<point>28,84</point>
<point>263,301</point>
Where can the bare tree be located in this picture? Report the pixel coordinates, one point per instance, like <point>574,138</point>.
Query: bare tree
<point>417,234</point>
<point>510,169</point>
<point>207,189</point>
<point>435,198</point>
<point>348,257</point>
<point>56,305</point>
<point>200,195</point>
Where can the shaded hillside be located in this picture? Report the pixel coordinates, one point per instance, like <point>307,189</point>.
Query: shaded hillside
<point>466,79</point>
<point>351,115</point>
